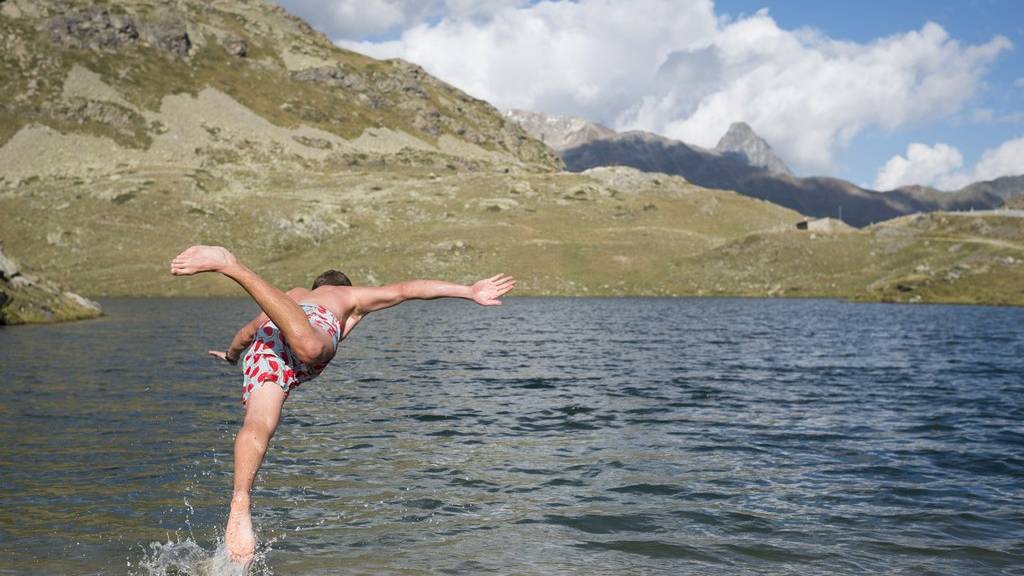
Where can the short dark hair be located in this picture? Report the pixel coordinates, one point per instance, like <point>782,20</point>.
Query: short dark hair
<point>331,278</point>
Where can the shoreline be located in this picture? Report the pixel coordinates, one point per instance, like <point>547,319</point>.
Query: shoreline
<point>832,298</point>
<point>826,298</point>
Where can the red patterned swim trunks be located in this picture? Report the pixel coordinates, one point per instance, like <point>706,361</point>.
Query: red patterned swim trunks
<point>270,359</point>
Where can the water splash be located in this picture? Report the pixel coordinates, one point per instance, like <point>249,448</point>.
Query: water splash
<point>187,558</point>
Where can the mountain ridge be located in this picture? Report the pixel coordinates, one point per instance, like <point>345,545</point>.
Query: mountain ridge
<point>814,196</point>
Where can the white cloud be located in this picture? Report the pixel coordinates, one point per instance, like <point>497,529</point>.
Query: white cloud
<point>940,166</point>
<point>593,58</point>
<point>922,165</point>
<point>1005,160</point>
<point>675,67</point>
<point>1019,83</point>
<point>809,95</point>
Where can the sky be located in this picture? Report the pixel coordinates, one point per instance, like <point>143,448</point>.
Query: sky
<point>881,93</point>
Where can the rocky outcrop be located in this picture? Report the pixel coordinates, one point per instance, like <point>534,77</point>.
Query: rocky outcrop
<point>333,76</point>
<point>93,29</point>
<point>741,140</point>
<point>26,299</point>
<point>99,28</point>
<point>170,35</point>
<point>236,46</point>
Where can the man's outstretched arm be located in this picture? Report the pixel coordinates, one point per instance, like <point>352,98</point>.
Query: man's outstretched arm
<point>485,292</point>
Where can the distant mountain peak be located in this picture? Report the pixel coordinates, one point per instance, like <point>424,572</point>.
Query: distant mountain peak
<point>740,130</point>
<point>741,139</point>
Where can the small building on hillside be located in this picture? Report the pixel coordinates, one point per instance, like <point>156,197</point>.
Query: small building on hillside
<point>830,225</point>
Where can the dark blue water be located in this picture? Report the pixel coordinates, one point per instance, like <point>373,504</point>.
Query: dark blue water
<point>548,436</point>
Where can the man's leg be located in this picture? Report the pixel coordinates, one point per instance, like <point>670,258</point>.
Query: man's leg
<point>262,413</point>
<point>308,343</point>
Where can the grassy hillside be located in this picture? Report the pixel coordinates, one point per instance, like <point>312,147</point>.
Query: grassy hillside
<point>607,232</point>
<point>618,232</point>
<point>131,129</point>
<point>937,257</point>
<point>106,69</point>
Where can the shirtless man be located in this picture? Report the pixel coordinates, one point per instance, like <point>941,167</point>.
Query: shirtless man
<point>292,341</point>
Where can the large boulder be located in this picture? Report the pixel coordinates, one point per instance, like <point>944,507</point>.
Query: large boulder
<point>26,299</point>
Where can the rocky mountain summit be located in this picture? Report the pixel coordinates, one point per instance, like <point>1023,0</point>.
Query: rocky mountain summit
<point>742,161</point>
<point>741,140</point>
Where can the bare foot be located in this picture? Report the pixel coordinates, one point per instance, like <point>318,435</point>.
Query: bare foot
<point>239,537</point>
<point>201,259</point>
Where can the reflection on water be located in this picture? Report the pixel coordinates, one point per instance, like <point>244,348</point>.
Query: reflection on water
<point>548,436</point>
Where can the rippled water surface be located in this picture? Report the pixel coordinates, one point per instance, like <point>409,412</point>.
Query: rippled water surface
<point>548,436</point>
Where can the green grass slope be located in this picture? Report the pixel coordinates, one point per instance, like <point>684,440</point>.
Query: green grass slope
<point>610,231</point>
<point>615,231</point>
<point>132,129</point>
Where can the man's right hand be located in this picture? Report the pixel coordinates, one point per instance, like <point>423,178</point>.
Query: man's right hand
<point>223,356</point>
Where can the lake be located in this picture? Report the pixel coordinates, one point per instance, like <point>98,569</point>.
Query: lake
<point>548,436</point>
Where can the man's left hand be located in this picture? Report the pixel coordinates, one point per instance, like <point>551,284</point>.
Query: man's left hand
<point>223,356</point>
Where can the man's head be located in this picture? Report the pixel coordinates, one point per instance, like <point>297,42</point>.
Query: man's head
<point>331,278</point>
